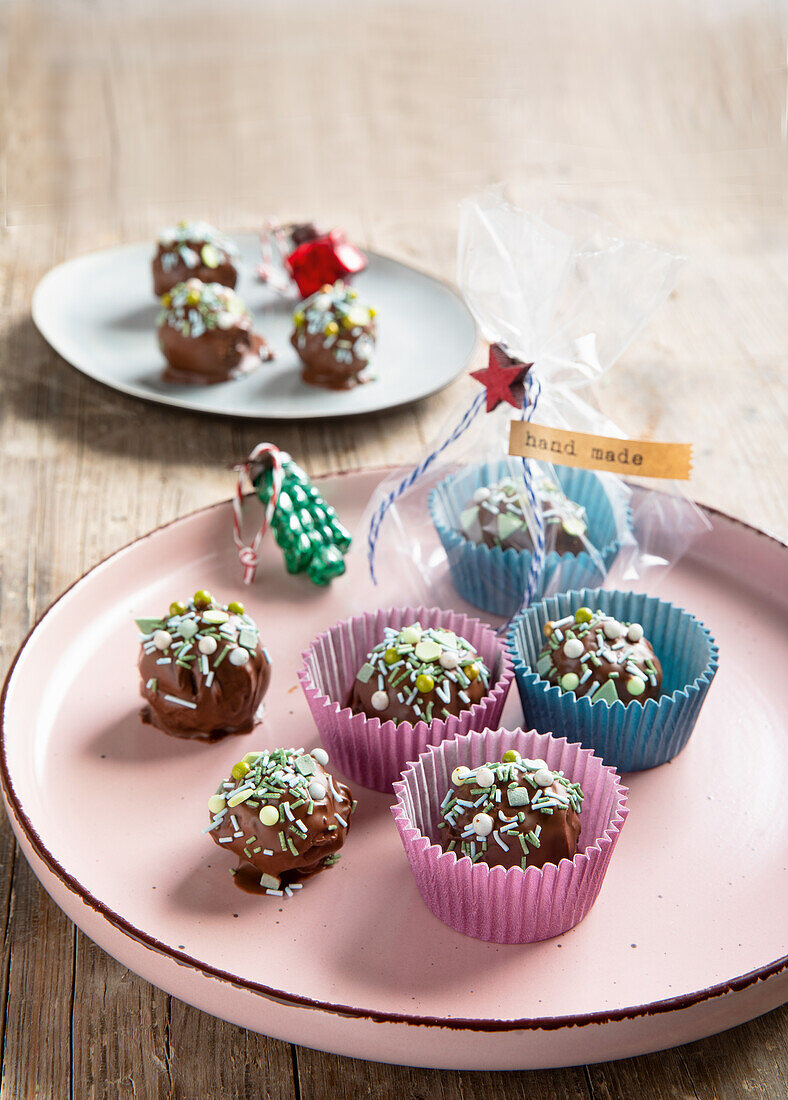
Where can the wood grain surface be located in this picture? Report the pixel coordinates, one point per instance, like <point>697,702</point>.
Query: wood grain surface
<point>669,119</point>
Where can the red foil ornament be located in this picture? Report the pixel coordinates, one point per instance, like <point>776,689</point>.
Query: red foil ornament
<point>324,259</point>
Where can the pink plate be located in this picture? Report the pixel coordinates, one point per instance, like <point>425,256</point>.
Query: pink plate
<point>688,934</point>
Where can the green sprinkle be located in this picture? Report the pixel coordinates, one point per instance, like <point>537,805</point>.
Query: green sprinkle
<point>305,764</point>
<point>149,626</point>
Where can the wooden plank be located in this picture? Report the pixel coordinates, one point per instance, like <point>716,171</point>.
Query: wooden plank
<point>751,1061</point>
<point>328,1075</point>
<point>39,950</point>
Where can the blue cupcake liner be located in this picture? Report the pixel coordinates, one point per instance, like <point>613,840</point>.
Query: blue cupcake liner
<point>495,579</point>
<point>633,736</point>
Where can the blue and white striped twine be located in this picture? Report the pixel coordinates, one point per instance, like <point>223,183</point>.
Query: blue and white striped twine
<point>533,389</point>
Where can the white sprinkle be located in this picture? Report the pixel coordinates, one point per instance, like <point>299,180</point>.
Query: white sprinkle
<point>334,791</point>
<point>224,839</point>
<point>180,702</point>
<point>380,700</point>
<point>341,821</point>
<point>482,824</point>
<point>164,661</point>
<point>444,694</point>
<point>497,837</point>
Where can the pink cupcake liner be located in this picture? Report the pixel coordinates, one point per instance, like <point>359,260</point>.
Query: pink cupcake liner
<point>494,904</point>
<point>368,751</point>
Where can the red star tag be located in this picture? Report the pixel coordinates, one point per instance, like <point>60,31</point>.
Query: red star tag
<point>503,378</point>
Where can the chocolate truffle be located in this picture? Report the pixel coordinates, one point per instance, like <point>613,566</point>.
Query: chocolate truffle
<point>204,672</point>
<point>513,813</point>
<point>497,516</point>
<point>193,250</point>
<point>334,337</point>
<point>417,674</point>
<point>591,653</point>
<point>283,815</point>
<point>206,334</point>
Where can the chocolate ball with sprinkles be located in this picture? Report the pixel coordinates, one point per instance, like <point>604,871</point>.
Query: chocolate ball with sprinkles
<point>591,653</point>
<point>204,671</point>
<point>511,813</point>
<point>193,250</point>
<point>498,515</point>
<point>206,335</point>
<point>417,674</point>
<point>334,336</point>
<point>283,815</point>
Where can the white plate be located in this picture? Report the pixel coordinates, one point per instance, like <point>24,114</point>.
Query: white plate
<point>99,312</point>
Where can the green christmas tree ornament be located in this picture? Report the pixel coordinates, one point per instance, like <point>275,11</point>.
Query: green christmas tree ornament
<point>306,527</point>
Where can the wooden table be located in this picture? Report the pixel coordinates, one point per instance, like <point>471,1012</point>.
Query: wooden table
<point>668,118</point>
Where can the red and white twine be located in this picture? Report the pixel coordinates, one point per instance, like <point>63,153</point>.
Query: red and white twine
<point>248,553</point>
<point>272,268</point>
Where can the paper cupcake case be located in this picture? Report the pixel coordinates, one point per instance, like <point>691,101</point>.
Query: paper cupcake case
<point>508,906</point>
<point>494,579</point>
<point>633,736</point>
<point>368,751</point>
